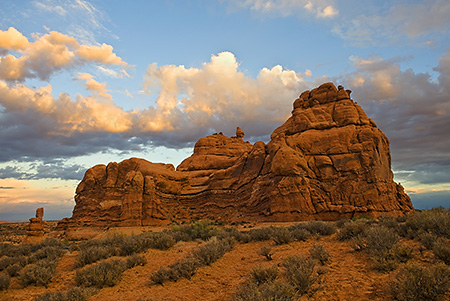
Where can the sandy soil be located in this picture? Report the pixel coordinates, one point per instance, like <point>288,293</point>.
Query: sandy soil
<point>348,276</point>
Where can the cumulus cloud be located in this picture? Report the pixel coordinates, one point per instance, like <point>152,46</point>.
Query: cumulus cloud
<point>318,8</point>
<point>412,109</point>
<point>48,54</point>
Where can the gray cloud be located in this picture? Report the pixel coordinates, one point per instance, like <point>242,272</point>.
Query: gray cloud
<point>412,109</point>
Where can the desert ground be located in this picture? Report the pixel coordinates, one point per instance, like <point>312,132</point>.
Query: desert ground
<point>403,258</point>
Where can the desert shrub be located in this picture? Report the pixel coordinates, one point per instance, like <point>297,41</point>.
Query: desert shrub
<point>319,253</point>
<point>266,252</point>
<point>73,294</point>
<point>414,282</point>
<point>441,249</point>
<point>402,253</point>
<point>261,234</point>
<point>135,260</point>
<point>50,252</point>
<point>212,250</point>
<point>261,275</point>
<point>5,280</point>
<point>379,240</point>
<point>197,230</point>
<point>436,220</point>
<point>352,229</point>
<point>272,291</point>
<point>300,234</point>
<point>163,241</point>
<point>388,221</point>
<point>160,276</point>
<point>131,245</point>
<point>318,227</point>
<point>281,236</point>
<point>357,243</point>
<point>186,267</point>
<point>300,273</point>
<point>39,273</point>
<point>105,273</point>
<point>427,239</point>
<point>93,254</point>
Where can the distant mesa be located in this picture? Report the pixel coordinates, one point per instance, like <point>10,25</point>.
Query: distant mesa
<point>328,161</point>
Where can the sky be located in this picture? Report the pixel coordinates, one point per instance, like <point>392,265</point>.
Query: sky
<point>86,82</point>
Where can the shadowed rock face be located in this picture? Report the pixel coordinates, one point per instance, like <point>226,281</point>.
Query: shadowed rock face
<point>327,161</point>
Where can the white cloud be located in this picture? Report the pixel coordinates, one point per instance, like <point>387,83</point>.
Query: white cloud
<point>319,8</point>
<point>48,54</point>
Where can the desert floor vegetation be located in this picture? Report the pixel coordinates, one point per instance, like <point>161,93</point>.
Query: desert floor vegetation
<point>390,258</point>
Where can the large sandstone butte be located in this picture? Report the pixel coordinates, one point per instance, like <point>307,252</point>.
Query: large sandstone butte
<point>328,161</point>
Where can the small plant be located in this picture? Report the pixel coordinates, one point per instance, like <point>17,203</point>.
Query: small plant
<point>441,249</point>
<point>212,250</point>
<point>380,240</point>
<point>163,241</point>
<point>318,227</point>
<point>39,273</point>
<point>102,274</point>
<point>160,276</point>
<point>413,282</point>
<point>402,253</point>
<point>319,253</point>
<point>261,234</point>
<point>427,239</point>
<point>436,220</point>
<point>73,294</point>
<point>266,252</point>
<point>94,253</point>
<point>352,229</point>
<point>5,280</point>
<point>135,260</point>
<point>281,236</point>
<point>300,234</point>
<point>261,275</point>
<point>300,273</point>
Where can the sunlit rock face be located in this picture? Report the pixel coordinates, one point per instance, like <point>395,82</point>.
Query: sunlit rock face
<point>328,161</point>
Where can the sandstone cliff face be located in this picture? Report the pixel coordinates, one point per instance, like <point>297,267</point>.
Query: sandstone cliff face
<point>327,161</point>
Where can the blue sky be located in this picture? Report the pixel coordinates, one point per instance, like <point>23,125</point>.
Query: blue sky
<point>89,82</point>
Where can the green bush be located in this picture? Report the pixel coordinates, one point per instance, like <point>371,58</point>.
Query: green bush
<point>5,280</point>
<point>319,253</point>
<point>102,274</point>
<point>260,275</point>
<point>441,249</point>
<point>135,260</point>
<point>281,236</point>
<point>39,273</point>
<point>300,273</point>
<point>414,282</point>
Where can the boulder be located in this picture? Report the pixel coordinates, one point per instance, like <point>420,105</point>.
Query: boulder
<point>328,161</point>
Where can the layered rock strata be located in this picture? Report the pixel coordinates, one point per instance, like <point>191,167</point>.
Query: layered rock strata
<point>36,225</point>
<point>328,161</point>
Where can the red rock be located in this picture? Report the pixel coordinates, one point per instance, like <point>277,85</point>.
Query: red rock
<point>37,224</point>
<point>328,161</point>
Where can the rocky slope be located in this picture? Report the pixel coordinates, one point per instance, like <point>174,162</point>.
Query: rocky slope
<point>327,161</point>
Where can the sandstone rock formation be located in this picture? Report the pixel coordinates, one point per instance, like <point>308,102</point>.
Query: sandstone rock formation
<point>327,161</point>
<point>37,224</point>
